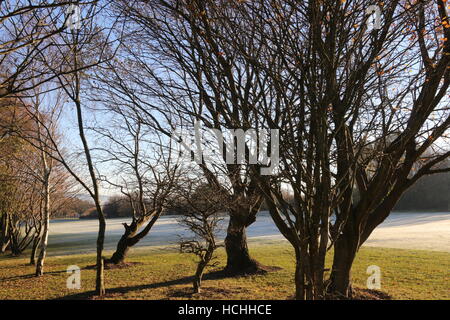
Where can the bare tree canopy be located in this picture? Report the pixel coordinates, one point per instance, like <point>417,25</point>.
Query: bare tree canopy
<point>327,112</point>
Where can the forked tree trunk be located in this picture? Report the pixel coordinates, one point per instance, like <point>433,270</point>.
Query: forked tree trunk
<point>132,237</point>
<point>202,265</point>
<point>348,244</point>
<point>238,256</point>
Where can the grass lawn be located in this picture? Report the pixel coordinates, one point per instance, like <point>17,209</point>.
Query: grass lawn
<point>164,274</point>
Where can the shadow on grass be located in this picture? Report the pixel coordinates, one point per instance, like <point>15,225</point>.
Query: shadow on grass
<point>213,293</point>
<point>213,275</point>
<point>29,276</point>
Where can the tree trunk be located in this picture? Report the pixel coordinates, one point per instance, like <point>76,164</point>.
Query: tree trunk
<point>44,239</point>
<point>15,250</point>
<point>348,244</point>
<point>123,246</point>
<point>14,244</point>
<point>5,246</point>
<point>202,265</point>
<point>34,250</point>
<point>238,256</point>
<point>132,237</point>
<point>299,277</point>
<point>345,250</point>
<point>99,281</point>
<point>198,277</point>
<point>42,250</point>
<point>4,236</point>
<point>197,284</point>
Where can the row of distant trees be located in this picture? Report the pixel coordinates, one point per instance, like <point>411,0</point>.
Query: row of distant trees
<point>430,193</point>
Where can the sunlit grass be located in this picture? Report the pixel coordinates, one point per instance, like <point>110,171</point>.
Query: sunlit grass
<point>164,274</point>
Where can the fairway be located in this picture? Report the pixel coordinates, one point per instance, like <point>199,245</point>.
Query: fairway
<point>165,274</point>
<point>403,230</point>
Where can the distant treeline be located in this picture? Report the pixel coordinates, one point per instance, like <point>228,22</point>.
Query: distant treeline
<point>115,207</point>
<point>430,193</point>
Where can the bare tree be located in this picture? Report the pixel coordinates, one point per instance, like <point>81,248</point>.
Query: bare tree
<point>33,173</point>
<point>144,171</point>
<point>173,74</point>
<point>201,206</point>
<point>345,99</point>
<point>357,109</point>
<point>20,192</point>
<point>79,50</point>
<point>54,180</point>
<point>412,146</point>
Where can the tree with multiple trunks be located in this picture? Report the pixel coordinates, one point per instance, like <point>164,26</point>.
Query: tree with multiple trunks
<point>357,108</point>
